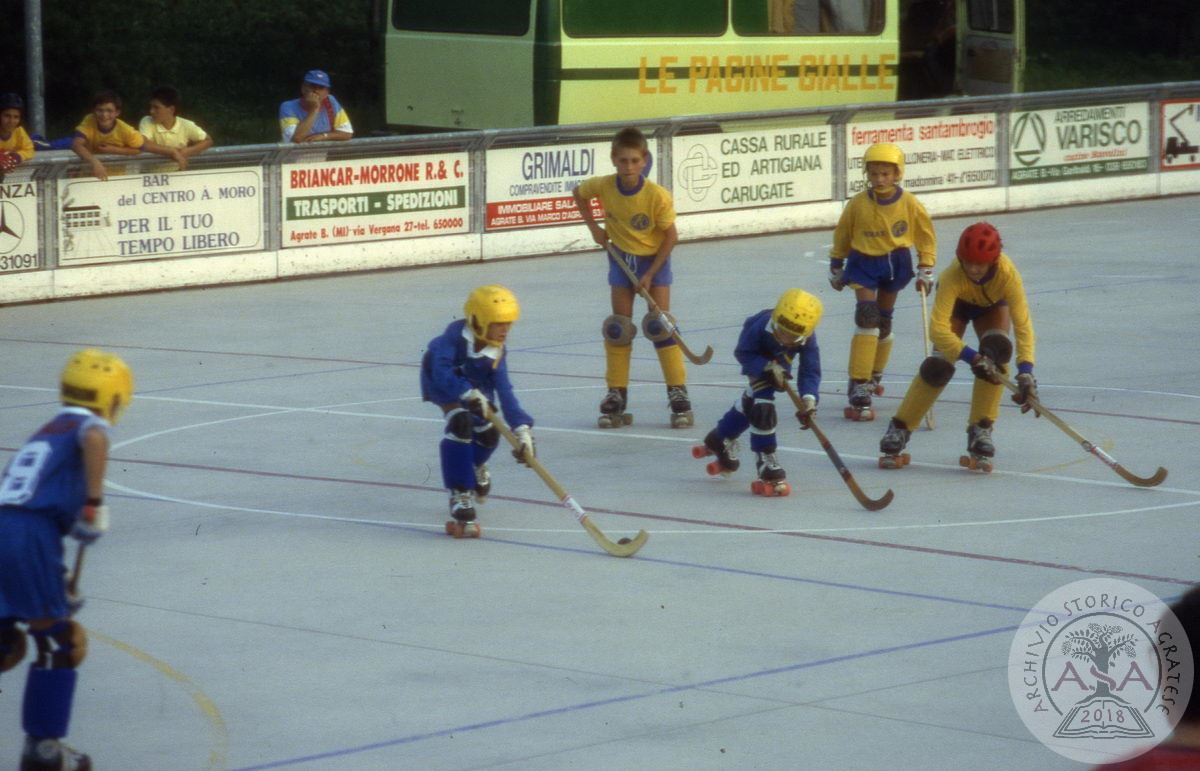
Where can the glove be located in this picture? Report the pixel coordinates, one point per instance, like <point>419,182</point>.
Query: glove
<point>777,375</point>
<point>1026,390</point>
<point>526,449</point>
<point>8,162</point>
<point>836,270</point>
<point>925,279</point>
<point>91,523</point>
<point>808,411</point>
<point>475,402</point>
<point>986,369</point>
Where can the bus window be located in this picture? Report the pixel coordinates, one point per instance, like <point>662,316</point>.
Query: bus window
<point>483,17</point>
<point>991,15</point>
<point>808,17</point>
<point>639,18</point>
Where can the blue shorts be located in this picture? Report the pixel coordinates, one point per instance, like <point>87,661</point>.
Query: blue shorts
<point>617,277</point>
<point>31,566</point>
<point>887,273</point>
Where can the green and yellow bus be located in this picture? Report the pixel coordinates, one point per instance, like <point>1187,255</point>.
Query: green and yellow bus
<point>509,63</point>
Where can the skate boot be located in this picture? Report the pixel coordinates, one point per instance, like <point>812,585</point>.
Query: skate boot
<point>52,755</point>
<point>462,512</point>
<point>877,383</point>
<point>681,406</point>
<point>891,446</point>
<point>979,447</point>
<point>771,477</point>
<point>860,392</point>
<point>612,409</point>
<point>483,483</point>
<point>725,450</point>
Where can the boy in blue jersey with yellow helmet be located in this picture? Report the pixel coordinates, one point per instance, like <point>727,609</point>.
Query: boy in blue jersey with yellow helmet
<point>639,220</point>
<point>464,372</point>
<point>770,340</point>
<point>982,288</point>
<point>872,254</point>
<point>53,487</point>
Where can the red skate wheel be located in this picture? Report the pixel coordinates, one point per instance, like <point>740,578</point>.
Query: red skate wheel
<point>783,489</point>
<point>714,468</point>
<point>700,451</point>
<point>756,487</point>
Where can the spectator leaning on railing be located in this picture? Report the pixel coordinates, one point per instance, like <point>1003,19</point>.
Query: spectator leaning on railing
<point>316,116</point>
<point>104,132</point>
<point>165,128</point>
<point>15,144</point>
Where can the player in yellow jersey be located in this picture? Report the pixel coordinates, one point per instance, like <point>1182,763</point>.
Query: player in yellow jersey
<point>983,288</point>
<point>639,220</point>
<point>872,254</point>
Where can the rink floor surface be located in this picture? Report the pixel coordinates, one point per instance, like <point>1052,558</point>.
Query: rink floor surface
<point>277,590</point>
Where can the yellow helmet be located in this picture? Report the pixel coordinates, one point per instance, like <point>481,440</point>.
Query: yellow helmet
<point>885,153</point>
<point>798,313</point>
<point>491,304</point>
<point>98,380</point>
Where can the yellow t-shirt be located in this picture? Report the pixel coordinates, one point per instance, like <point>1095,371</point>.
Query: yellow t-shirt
<point>1005,285</point>
<point>877,227</point>
<point>18,143</point>
<point>636,222</point>
<point>179,136</point>
<point>121,135</point>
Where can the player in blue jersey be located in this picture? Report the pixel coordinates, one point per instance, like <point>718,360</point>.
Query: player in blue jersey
<point>52,488</point>
<point>770,341</point>
<point>464,372</point>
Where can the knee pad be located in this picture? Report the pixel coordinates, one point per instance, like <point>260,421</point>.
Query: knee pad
<point>885,324</point>
<point>12,646</point>
<point>62,645</point>
<point>936,371</point>
<point>458,425</point>
<point>866,315</point>
<point>487,436</point>
<point>618,330</point>
<point>996,345</point>
<point>761,414</point>
<point>657,327</point>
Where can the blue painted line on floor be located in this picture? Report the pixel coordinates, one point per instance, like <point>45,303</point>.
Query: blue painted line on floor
<point>589,705</point>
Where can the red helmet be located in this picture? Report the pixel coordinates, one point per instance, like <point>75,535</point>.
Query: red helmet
<point>979,243</point>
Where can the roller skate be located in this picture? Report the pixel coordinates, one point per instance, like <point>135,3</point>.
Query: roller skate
<point>612,409</point>
<point>877,383</point>
<point>52,755</point>
<point>891,446</point>
<point>771,477</point>
<point>681,407</point>
<point>979,447</point>
<point>725,450</point>
<point>483,483</point>
<point>462,511</point>
<point>860,409</point>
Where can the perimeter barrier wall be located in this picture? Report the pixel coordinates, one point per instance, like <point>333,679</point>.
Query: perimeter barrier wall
<point>265,212</point>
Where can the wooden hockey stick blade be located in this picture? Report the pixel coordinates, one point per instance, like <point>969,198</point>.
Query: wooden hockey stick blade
<point>868,503</point>
<point>653,306</point>
<point>627,549</point>
<point>1154,480</point>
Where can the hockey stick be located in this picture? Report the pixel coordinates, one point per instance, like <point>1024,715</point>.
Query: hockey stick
<point>929,420</point>
<point>870,504</point>
<point>653,306</point>
<point>1133,479</point>
<point>74,601</point>
<point>626,547</point>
